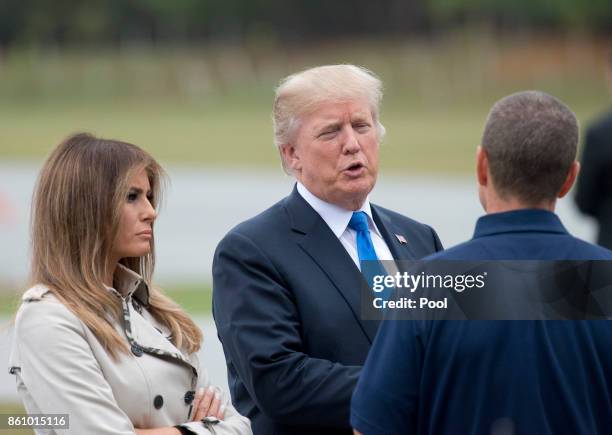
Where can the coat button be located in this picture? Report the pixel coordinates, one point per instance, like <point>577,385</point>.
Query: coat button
<point>136,350</point>
<point>189,396</point>
<point>158,402</point>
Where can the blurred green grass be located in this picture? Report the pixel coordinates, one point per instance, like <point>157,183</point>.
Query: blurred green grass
<point>195,298</point>
<point>210,106</point>
<point>12,409</point>
<point>418,140</point>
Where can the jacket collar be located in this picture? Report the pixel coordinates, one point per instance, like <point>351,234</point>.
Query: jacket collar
<point>519,221</point>
<point>139,326</point>
<point>337,218</point>
<point>128,283</point>
<point>320,243</point>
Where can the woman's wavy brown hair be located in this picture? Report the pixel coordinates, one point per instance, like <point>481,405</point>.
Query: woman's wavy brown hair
<point>75,216</point>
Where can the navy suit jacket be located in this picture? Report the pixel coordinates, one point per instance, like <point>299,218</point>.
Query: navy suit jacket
<point>287,309</point>
<point>594,186</point>
<point>482,377</point>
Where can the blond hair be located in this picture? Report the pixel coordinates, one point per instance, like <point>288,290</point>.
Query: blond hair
<point>75,216</point>
<point>302,92</point>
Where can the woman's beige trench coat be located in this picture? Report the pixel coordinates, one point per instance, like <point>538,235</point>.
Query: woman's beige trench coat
<point>61,368</point>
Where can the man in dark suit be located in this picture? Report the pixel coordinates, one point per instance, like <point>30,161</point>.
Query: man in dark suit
<point>594,187</point>
<point>500,377</point>
<point>286,283</point>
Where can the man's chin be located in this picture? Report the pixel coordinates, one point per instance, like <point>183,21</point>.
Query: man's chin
<point>359,186</point>
<point>355,194</point>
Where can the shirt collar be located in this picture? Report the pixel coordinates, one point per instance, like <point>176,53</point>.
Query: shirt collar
<point>518,221</point>
<point>336,218</point>
<point>128,283</point>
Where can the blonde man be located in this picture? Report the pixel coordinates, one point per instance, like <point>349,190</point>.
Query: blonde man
<point>287,282</point>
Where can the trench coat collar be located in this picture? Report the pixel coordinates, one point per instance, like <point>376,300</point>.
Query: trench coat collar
<point>142,335</point>
<point>130,284</point>
<point>127,284</point>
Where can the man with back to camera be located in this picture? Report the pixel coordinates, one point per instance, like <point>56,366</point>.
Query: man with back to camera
<point>594,186</point>
<point>500,377</point>
<point>286,283</point>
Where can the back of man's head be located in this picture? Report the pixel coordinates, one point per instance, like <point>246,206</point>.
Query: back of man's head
<point>531,140</point>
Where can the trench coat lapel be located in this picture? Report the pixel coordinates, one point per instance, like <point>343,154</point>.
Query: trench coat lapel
<point>152,340</point>
<point>141,331</point>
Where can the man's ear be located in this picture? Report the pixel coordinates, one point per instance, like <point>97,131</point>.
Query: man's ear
<point>572,174</point>
<point>291,157</point>
<point>482,166</point>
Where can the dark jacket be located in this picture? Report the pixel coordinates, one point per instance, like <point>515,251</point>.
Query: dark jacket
<point>594,187</point>
<point>482,377</point>
<point>286,304</point>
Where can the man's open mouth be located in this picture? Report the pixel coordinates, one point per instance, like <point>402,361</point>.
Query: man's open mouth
<point>355,167</point>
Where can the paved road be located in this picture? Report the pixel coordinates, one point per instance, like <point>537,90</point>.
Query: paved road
<point>203,204</point>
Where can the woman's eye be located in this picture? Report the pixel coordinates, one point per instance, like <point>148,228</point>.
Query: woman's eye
<point>132,197</point>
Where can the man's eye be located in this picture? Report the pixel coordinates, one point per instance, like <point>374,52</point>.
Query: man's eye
<point>327,134</point>
<point>363,127</point>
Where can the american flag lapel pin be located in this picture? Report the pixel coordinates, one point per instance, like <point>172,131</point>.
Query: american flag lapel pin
<point>401,239</point>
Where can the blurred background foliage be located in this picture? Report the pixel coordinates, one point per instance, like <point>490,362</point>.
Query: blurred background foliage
<point>116,22</point>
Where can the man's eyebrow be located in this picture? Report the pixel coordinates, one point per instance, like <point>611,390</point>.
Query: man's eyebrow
<point>359,117</point>
<point>326,125</point>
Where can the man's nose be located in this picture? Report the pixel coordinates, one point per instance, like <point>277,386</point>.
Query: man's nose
<point>350,142</point>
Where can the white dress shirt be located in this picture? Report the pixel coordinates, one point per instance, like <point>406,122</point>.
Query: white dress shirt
<point>337,219</point>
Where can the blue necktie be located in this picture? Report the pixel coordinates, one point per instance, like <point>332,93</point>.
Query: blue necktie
<point>365,248</point>
<point>370,266</point>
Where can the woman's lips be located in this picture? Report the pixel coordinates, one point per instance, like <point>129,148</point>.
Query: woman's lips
<point>147,234</point>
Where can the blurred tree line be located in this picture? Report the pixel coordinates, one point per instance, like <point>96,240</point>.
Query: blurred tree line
<point>114,22</point>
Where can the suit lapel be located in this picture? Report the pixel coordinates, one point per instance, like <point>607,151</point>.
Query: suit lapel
<point>389,232</point>
<point>322,245</point>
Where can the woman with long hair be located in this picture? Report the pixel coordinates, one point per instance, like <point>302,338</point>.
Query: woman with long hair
<point>94,338</point>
